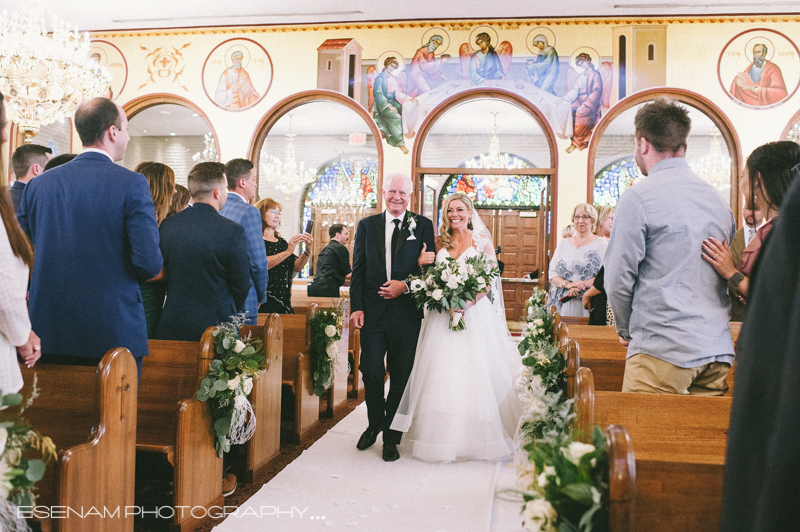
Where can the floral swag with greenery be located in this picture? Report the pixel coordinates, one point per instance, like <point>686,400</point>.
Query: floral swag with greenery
<point>19,472</point>
<point>563,483</point>
<point>326,330</point>
<point>228,383</point>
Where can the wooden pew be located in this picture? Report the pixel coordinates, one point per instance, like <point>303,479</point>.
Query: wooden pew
<point>680,451</point>
<point>296,370</point>
<point>599,350</point>
<point>621,480</point>
<point>264,447</point>
<point>174,423</point>
<point>90,414</point>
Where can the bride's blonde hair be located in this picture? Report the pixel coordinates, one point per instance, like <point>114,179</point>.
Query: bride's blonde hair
<point>445,231</point>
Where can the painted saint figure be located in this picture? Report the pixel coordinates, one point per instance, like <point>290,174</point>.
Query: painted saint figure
<point>543,69</point>
<point>485,63</point>
<point>761,83</point>
<point>586,97</point>
<point>426,67</point>
<point>235,90</point>
<point>388,106</point>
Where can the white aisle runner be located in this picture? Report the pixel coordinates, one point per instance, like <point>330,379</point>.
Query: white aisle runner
<point>334,486</point>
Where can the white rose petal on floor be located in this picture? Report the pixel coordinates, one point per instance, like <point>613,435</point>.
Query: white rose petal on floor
<point>333,484</point>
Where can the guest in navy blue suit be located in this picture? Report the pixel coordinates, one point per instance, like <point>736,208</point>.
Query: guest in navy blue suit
<point>205,260</point>
<point>93,226</point>
<point>28,161</point>
<point>387,248</point>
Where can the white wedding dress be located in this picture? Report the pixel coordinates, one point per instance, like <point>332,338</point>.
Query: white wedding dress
<point>459,403</point>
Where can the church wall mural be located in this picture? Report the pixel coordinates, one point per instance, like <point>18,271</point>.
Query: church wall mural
<point>573,70</point>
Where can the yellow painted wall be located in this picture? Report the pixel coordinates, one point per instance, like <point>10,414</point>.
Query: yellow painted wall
<point>693,48</point>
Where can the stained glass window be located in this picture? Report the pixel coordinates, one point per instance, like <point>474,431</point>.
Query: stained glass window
<point>614,179</point>
<point>497,191</point>
<point>350,184</point>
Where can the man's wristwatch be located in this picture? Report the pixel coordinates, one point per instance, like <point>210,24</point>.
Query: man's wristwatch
<point>735,279</point>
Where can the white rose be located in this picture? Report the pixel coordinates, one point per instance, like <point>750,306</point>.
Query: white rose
<point>445,275</point>
<point>330,331</point>
<point>538,322</point>
<point>332,350</point>
<point>595,495</point>
<point>541,480</point>
<point>452,283</point>
<point>234,382</point>
<point>239,347</point>
<point>462,271</point>
<point>429,281</point>
<point>550,471</point>
<point>3,439</point>
<point>437,294</point>
<point>417,285</point>
<point>471,270</point>
<point>248,385</point>
<point>576,450</point>
<point>531,310</point>
<point>539,516</point>
<point>481,282</point>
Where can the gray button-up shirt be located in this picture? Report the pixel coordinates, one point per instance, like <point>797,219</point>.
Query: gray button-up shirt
<point>666,298</point>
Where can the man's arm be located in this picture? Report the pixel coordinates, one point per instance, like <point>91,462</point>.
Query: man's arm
<point>626,250</point>
<point>251,221</point>
<point>343,261</point>
<point>141,230</point>
<point>359,268</point>
<point>238,267</point>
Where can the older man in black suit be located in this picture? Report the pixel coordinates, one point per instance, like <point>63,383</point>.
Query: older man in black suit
<point>386,251</point>
<point>205,258</point>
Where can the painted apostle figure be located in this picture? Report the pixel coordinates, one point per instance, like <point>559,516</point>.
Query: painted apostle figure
<point>388,106</point>
<point>426,67</point>
<point>543,69</point>
<point>235,90</point>
<point>586,96</point>
<point>761,83</point>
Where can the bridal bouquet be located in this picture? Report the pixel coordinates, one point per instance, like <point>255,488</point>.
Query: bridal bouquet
<point>450,284</point>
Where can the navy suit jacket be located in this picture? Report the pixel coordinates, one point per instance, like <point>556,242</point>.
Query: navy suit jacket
<point>208,272</point>
<point>369,266</point>
<point>93,226</point>
<point>16,190</point>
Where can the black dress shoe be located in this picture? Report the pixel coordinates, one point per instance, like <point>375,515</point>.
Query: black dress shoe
<point>390,453</point>
<point>367,439</point>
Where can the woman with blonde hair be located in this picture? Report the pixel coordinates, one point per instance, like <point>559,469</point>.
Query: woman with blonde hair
<point>16,262</point>
<point>459,404</point>
<point>575,263</point>
<point>605,219</point>
<point>282,263</point>
<point>161,179</point>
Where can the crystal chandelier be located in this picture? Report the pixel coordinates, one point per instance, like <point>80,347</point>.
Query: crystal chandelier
<point>714,168</point>
<point>288,176</point>
<point>45,77</point>
<point>343,190</point>
<point>209,154</point>
<point>495,158</point>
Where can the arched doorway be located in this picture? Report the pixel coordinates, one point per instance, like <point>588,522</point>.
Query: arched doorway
<point>334,146</point>
<point>713,151</point>
<point>171,130</point>
<point>499,149</point>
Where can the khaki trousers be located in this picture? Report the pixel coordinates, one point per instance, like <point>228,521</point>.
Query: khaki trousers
<point>648,374</point>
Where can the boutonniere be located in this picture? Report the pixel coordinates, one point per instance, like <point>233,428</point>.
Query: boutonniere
<point>411,225</point>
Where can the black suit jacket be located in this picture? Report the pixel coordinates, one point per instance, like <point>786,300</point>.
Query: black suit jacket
<point>333,265</point>
<point>369,266</point>
<point>208,272</point>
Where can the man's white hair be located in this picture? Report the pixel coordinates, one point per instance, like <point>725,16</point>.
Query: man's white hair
<point>387,182</point>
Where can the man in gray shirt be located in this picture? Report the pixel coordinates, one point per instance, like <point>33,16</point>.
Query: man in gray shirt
<point>671,307</point>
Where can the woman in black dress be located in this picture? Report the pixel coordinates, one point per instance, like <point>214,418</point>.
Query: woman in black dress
<point>282,263</point>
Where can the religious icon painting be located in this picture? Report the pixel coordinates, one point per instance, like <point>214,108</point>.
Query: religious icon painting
<point>759,68</point>
<point>105,56</point>
<point>237,74</point>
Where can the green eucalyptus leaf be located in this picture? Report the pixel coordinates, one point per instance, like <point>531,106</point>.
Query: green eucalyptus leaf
<point>222,426</point>
<point>12,399</point>
<point>215,364</point>
<point>35,471</point>
<point>219,385</point>
<point>202,394</point>
<point>226,343</point>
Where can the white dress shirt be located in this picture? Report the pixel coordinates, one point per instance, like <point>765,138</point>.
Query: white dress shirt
<point>96,150</point>
<point>15,326</point>
<point>388,240</point>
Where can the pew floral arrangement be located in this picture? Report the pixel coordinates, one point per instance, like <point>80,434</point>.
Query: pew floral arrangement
<point>228,383</point>
<point>537,323</point>
<point>450,284</point>
<point>326,330</point>
<point>565,487</point>
<point>546,361</point>
<point>18,440</point>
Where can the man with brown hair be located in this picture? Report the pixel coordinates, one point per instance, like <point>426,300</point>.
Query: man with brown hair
<point>27,162</point>
<point>671,307</point>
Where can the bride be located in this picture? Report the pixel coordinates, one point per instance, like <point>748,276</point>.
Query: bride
<point>459,403</point>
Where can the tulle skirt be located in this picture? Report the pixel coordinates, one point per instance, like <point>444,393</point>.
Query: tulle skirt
<point>459,403</point>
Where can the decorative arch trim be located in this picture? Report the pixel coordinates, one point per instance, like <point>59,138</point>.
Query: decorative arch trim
<point>789,125</point>
<point>287,104</point>
<point>697,101</point>
<point>137,105</point>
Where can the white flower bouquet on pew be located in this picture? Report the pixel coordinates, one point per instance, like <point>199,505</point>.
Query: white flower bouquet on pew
<point>450,284</point>
<point>228,383</point>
